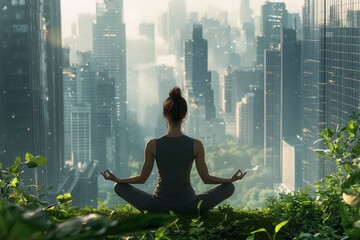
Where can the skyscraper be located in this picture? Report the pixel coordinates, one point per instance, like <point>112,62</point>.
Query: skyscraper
<point>291,80</point>
<point>274,16</point>
<point>273,113</point>
<point>110,55</point>
<point>80,131</point>
<point>197,74</point>
<point>245,120</point>
<point>245,12</point>
<point>341,63</point>
<point>31,118</point>
<point>313,81</point>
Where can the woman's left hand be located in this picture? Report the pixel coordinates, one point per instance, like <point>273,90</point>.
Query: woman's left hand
<point>238,175</point>
<point>109,176</point>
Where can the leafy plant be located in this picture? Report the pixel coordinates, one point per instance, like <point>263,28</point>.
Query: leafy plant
<point>12,186</point>
<point>277,229</point>
<point>343,146</point>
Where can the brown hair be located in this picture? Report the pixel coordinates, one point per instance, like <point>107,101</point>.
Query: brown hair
<point>174,107</point>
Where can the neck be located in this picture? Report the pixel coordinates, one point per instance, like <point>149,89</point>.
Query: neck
<point>174,131</point>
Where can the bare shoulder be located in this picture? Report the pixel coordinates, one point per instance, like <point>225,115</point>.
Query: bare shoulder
<point>198,146</point>
<point>151,146</point>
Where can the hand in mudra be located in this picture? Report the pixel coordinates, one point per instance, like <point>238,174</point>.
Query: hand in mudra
<point>238,175</point>
<point>108,175</point>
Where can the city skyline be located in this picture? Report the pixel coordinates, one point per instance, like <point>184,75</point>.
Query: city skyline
<point>136,11</point>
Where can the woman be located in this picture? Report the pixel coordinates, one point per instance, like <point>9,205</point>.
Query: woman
<point>174,154</point>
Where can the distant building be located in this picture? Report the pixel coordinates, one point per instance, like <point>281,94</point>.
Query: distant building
<point>273,113</point>
<point>313,91</point>
<point>110,55</point>
<point>274,17</point>
<point>103,112</point>
<point>197,76</point>
<point>234,85</point>
<point>245,120</point>
<point>80,131</point>
<point>291,83</point>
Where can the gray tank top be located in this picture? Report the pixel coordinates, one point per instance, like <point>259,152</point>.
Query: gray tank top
<point>174,159</point>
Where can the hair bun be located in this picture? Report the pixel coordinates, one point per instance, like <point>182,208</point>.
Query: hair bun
<point>175,93</point>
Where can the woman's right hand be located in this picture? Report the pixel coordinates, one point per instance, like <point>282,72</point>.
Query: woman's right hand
<point>238,175</point>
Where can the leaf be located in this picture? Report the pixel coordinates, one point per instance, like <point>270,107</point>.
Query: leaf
<point>280,225</point>
<point>29,157</point>
<point>351,127</point>
<point>251,237</point>
<point>17,161</point>
<point>13,169</point>
<point>14,182</point>
<point>259,230</point>
<point>64,198</point>
<point>31,164</point>
<point>40,160</point>
<point>199,204</point>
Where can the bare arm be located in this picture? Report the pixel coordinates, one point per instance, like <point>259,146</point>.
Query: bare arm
<point>145,170</point>
<point>202,169</point>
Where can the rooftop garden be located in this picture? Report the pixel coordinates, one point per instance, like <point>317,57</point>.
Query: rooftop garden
<point>327,210</point>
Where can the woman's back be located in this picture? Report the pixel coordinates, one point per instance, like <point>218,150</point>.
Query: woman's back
<point>174,159</point>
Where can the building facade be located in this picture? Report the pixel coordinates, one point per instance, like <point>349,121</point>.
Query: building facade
<point>273,113</point>
<point>109,43</point>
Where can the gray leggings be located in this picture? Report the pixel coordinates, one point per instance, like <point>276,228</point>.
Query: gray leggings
<point>145,201</point>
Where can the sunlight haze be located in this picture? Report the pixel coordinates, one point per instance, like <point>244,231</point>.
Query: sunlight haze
<point>137,11</point>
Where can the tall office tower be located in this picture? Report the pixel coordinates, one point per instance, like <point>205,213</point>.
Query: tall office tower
<point>273,113</point>
<point>80,131</point>
<point>274,16</point>
<point>197,74</point>
<point>31,84</point>
<point>52,14</point>
<point>85,31</point>
<point>340,53</point>
<point>313,81</point>
<point>245,12</point>
<point>103,107</point>
<point>245,120</point>
<point>110,55</point>
<point>291,80</point>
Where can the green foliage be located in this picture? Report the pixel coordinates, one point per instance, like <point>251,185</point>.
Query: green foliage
<point>277,229</point>
<point>18,222</point>
<point>12,187</point>
<point>302,211</point>
<point>343,146</point>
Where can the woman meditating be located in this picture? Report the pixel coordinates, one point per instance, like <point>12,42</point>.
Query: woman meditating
<point>174,154</point>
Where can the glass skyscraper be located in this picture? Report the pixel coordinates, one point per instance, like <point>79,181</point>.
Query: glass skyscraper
<point>330,80</point>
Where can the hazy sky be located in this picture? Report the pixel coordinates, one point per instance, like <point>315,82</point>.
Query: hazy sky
<point>137,11</point>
